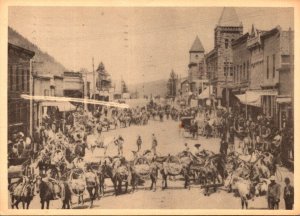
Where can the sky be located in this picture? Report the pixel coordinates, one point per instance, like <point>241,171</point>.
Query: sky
<point>136,44</point>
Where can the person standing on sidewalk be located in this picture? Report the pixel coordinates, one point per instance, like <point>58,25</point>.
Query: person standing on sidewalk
<point>288,194</point>
<point>273,194</point>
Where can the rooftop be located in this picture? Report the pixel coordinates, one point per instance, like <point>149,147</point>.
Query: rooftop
<point>229,17</point>
<point>197,46</point>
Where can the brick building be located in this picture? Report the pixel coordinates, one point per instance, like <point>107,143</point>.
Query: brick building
<point>219,60</point>
<point>262,74</point>
<point>18,83</point>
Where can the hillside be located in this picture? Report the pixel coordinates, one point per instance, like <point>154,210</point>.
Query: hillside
<point>49,65</point>
<point>158,87</point>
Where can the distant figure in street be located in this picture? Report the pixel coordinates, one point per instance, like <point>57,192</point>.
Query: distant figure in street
<point>187,148</point>
<point>119,142</point>
<point>139,143</point>
<point>288,194</point>
<point>231,139</point>
<point>198,152</point>
<point>223,147</point>
<point>154,144</point>
<point>273,194</point>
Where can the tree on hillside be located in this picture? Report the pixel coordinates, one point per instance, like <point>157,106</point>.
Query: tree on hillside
<point>172,84</point>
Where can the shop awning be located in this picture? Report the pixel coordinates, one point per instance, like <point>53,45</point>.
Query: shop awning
<point>250,99</point>
<point>77,100</point>
<point>205,93</point>
<point>253,98</point>
<point>284,100</point>
<point>63,106</point>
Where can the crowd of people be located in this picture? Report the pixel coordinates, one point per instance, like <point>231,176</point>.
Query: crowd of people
<point>59,145</point>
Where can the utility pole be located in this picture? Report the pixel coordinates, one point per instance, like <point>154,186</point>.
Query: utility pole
<point>93,84</point>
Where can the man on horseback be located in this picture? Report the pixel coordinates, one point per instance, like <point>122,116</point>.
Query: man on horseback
<point>51,183</point>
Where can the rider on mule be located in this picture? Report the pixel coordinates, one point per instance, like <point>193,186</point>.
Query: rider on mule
<point>51,182</point>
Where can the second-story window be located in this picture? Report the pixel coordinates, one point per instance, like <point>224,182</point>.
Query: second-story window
<point>28,80</point>
<point>267,67</point>
<point>248,70</point>
<point>23,80</point>
<point>17,79</point>
<point>244,71</point>
<point>11,77</point>
<point>273,65</point>
<point>226,43</point>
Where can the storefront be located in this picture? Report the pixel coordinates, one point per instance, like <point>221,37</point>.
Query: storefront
<point>284,107</point>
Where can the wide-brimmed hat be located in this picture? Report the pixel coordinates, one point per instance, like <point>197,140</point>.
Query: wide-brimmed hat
<point>197,145</point>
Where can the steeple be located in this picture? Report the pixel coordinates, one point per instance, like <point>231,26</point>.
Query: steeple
<point>229,18</point>
<point>197,46</point>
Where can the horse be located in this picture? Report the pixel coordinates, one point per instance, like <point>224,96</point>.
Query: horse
<point>91,141</point>
<point>25,194</point>
<point>141,169</point>
<point>105,171</point>
<point>172,166</point>
<point>92,186</point>
<point>45,191</point>
<point>78,183</point>
<point>121,173</point>
<point>245,190</point>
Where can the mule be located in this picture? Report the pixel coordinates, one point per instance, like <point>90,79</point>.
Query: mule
<point>25,196</point>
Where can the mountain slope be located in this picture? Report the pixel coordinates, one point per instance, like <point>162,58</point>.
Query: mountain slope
<point>158,87</point>
<point>48,66</point>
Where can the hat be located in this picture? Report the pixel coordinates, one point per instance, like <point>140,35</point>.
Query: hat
<point>272,178</point>
<point>197,145</point>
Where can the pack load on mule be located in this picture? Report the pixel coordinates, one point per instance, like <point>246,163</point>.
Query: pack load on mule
<point>142,168</point>
<point>172,165</point>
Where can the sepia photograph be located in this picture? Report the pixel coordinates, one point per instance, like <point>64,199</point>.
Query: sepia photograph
<point>150,107</point>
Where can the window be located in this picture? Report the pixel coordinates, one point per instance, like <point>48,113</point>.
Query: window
<point>285,59</point>
<point>248,70</point>
<point>17,79</point>
<point>234,75</point>
<point>267,67</point>
<point>237,74</point>
<point>241,73</point>
<point>11,78</point>
<point>244,71</point>
<point>273,65</point>
<point>23,80</point>
<point>231,71</point>
<point>226,43</point>
<point>232,41</point>
<point>46,92</point>
<point>28,80</point>
<point>52,89</point>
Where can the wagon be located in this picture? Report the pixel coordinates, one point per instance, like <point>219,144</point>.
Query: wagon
<point>186,123</point>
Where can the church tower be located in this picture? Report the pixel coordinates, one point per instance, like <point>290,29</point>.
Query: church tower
<point>228,29</point>
<point>196,65</point>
